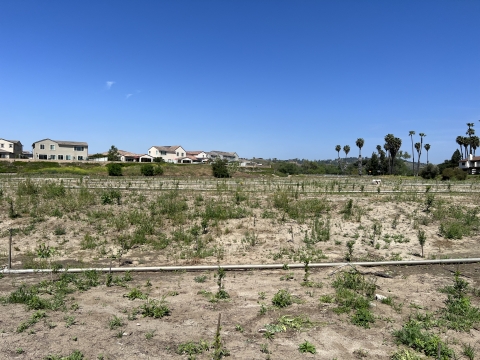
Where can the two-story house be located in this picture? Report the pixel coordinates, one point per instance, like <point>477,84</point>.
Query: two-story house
<point>223,155</point>
<point>10,149</point>
<point>471,164</point>
<point>170,154</point>
<point>48,149</point>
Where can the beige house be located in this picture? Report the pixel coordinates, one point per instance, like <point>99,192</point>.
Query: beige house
<point>10,149</point>
<point>126,156</point>
<point>171,154</point>
<point>223,155</point>
<point>48,149</point>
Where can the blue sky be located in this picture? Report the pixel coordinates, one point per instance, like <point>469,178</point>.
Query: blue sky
<point>284,79</point>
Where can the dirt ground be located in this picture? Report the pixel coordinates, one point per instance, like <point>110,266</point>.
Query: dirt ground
<point>382,226</point>
<point>194,318</point>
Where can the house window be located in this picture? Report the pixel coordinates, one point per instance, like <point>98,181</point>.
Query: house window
<point>80,157</point>
<point>163,153</point>
<point>78,148</point>
<point>1,145</point>
<point>183,154</point>
<point>177,154</point>
<point>10,145</point>
<point>52,147</point>
<point>463,164</point>
<point>42,157</point>
<point>68,157</point>
<point>60,157</point>
<point>148,152</point>
<point>52,157</point>
<point>42,147</point>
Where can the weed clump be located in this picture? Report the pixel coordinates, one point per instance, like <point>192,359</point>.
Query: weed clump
<point>282,299</point>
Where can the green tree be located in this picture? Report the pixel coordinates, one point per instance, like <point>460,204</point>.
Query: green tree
<point>346,150</point>
<point>427,147</point>
<point>470,132</point>
<point>411,133</point>
<point>113,154</point>
<point>338,148</point>
<point>360,142</point>
<point>392,144</point>
<point>422,135</point>
<point>459,141</point>
<point>418,147</point>
<point>220,169</point>
<point>147,170</point>
<point>114,169</point>
<point>475,144</point>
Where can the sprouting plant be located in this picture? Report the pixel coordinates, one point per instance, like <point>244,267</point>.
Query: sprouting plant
<point>307,347</point>
<point>349,254</point>
<point>469,351</point>
<point>115,323</point>
<point>429,200</point>
<point>200,279</point>
<point>221,293</point>
<point>422,239</point>
<point>282,299</point>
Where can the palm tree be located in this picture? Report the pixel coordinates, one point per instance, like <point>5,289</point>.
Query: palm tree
<point>465,143</point>
<point>470,132</point>
<point>475,144</point>
<point>422,135</point>
<point>346,150</point>
<point>418,147</point>
<point>392,144</point>
<point>459,141</point>
<point>427,147</point>
<point>337,149</point>
<point>359,143</point>
<point>411,133</point>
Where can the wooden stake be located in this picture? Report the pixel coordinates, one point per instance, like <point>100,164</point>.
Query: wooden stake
<point>10,250</point>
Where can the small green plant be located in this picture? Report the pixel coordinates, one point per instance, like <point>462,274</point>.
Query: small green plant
<point>239,328</point>
<point>115,323</point>
<point>149,334</point>
<point>192,348</point>
<point>469,351</point>
<point>282,299</point>
<point>69,321</point>
<point>422,239</point>
<point>221,293</point>
<point>327,299</point>
<point>135,294</point>
<point>154,308</point>
<point>307,347</point>
<point>59,230</point>
<point>349,254</point>
<point>19,351</point>
<point>200,279</point>
<point>261,295</point>
<point>405,354</point>
<point>32,321</point>
<point>264,349</point>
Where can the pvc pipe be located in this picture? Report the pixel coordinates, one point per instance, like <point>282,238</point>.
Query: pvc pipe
<point>246,267</point>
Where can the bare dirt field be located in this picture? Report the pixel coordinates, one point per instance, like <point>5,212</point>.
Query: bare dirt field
<point>328,313</point>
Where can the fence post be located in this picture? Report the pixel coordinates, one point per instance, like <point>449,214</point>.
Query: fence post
<point>10,250</point>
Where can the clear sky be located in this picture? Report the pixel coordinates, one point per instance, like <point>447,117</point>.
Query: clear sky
<point>264,78</point>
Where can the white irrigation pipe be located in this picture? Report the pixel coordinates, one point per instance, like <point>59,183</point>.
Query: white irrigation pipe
<point>247,267</point>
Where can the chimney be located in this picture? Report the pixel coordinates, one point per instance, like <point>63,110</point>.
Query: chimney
<point>470,157</point>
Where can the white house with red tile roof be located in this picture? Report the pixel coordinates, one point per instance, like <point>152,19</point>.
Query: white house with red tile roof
<point>171,154</point>
<point>471,164</point>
